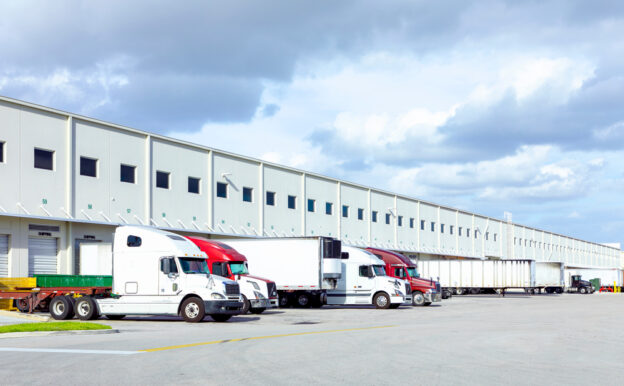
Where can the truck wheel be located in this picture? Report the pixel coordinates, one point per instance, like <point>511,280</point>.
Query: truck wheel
<point>531,291</point>
<point>22,305</point>
<point>303,300</point>
<point>418,299</point>
<point>257,311</point>
<point>284,300</point>
<point>220,317</point>
<point>193,310</point>
<point>475,291</point>
<point>460,291</point>
<point>559,290</point>
<point>115,317</point>
<point>85,308</point>
<point>61,308</point>
<point>246,305</point>
<point>583,290</point>
<point>381,301</point>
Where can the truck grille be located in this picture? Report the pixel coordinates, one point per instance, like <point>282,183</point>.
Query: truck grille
<point>438,288</point>
<point>272,289</point>
<point>232,289</point>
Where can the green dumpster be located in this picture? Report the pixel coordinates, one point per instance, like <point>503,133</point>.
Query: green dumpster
<point>595,283</point>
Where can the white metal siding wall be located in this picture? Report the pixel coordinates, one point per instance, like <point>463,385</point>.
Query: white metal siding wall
<point>42,255</point>
<point>4,255</point>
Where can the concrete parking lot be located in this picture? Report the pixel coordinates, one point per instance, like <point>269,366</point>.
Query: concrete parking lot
<point>473,340</point>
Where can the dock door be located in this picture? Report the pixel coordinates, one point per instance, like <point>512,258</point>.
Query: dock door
<point>4,255</point>
<point>42,255</point>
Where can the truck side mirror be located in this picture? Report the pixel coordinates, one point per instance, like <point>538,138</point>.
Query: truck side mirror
<point>165,266</point>
<point>344,255</point>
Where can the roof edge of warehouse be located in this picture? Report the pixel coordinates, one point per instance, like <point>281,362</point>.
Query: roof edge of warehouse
<point>271,164</point>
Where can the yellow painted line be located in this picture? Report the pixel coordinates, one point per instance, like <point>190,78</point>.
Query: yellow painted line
<point>259,337</point>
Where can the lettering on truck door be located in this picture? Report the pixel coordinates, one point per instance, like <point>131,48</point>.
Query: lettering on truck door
<point>168,276</point>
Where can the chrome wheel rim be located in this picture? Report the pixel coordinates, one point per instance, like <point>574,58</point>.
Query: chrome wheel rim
<point>192,310</point>
<point>382,301</point>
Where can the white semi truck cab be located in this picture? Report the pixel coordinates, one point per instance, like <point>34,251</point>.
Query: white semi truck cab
<point>160,273</point>
<point>363,280</point>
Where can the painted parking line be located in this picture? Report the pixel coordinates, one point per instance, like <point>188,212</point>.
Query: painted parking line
<point>68,351</point>
<point>260,337</point>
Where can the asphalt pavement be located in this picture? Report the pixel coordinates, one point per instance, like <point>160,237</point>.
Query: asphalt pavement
<point>468,340</point>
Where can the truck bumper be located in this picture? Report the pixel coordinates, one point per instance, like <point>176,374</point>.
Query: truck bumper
<point>407,299</point>
<point>437,297</point>
<point>274,303</point>
<point>397,299</point>
<point>261,303</point>
<point>228,307</point>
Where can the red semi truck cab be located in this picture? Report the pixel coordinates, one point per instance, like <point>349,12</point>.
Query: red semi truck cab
<point>258,293</point>
<point>424,292</point>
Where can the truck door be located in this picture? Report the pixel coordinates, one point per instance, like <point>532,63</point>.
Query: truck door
<point>168,276</point>
<point>364,284</point>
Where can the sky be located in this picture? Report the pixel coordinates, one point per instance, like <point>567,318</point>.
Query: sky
<point>486,106</point>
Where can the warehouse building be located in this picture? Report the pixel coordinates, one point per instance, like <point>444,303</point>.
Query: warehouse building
<point>68,180</point>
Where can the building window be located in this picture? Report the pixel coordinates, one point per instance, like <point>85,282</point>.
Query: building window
<point>329,208</point>
<point>292,202</point>
<point>127,173</point>
<point>459,231</point>
<point>450,229</point>
<point>360,214</point>
<point>345,211</point>
<point>270,198</point>
<point>422,225</point>
<point>193,185</point>
<point>411,222</point>
<point>487,236</point>
<point>247,194</point>
<point>374,216</point>
<point>432,226</point>
<point>222,189</point>
<point>88,167</point>
<point>44,159</point>
<point>310,205</point>
<point>476,233</point>
<point>162,180</point>
<point>467,232</point>
<point>387,218</point>
<point>494,236</point>
<point>1,151</point>
<point>400,221</point>
<point>441,228</point>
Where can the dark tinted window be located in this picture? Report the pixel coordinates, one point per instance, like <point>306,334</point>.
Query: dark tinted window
<point>432,226</point>
<point>44,159</point>
<point>193,185</point>
<point>127,173</point>
<point>364,270</point>
<point>400,221</point>
<point>411,222</point>
<point>1,151</point>
<point>329,207</point>
<point>292,202</point>
<point>422,225</point>
<point>247,194</point>
<point>345,211</point>
<point>270,198</point>
<point>360,214</point>
<point>221,189</point>
<point>134,241</point>
<point>387,218</point>
<point>219,269</point>
<point>162,180</point>
<point>441,228</point>
<point>310,205</point>
<point>88,167</point>
<point>374,216</point>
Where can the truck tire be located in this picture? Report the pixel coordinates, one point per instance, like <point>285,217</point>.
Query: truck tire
<point>193,310</point>
<point>475,291</point>
<point>583,290</point>
<point>115,317</point>
<point>382,301</point>
<point>22,305</point>
<point>257,311</point>
<point>303,300</point>
<point>284,300</point>
<point>220,317</point>
<point>460,291</point>
<point>418,299</point>
<point>85,308</point>
<point>559,290</point>
<point>246,305</point>
<point>61,308</point>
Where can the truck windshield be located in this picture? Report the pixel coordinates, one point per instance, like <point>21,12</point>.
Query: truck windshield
<point>412,272</point>
<point>379,270</point>
<point>191,265</point>
<point>238,268</point>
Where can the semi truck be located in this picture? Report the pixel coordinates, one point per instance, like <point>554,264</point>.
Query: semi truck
<point>363,280</point>
<point>609,277</point>
<point>477,276</point>
<point>257,293</point>
<point>312,271</point>
<point>154,273</point>
<point>424,292</point>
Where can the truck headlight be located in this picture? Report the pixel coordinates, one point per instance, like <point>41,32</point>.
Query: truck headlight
<point>430,291</point>
<point>217,296</point>
<point>398,293</point>
<point>258,295</point>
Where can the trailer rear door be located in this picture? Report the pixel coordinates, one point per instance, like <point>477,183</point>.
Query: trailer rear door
<point>42,255</point>
<point>4,255</point>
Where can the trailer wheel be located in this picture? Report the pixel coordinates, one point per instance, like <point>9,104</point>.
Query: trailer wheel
<point>418,299</point>
<point>303,300</point>
<point>85,308</point>
<point>220,317</point>
<point>257,311</point>
<point>532,291</point>
<point>583,290</point>
<point>61,308</point>
<point>284,300</point>
<point>115,317</point>
<point>246,305</point>
<point>381,301</point>
<point>22,305</point>
<point>460,291</point>
<point>193,310</point>
<point>559,290</point>
<point>475,291</point>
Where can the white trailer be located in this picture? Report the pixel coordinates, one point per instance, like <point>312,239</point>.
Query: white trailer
<point>303,268</point>
<point>608,276</point>
<point>475,276</point>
